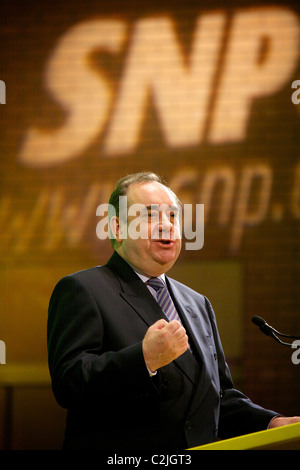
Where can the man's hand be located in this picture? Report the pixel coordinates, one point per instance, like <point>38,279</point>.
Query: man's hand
<point>283,421</point>
<point>163,343</point>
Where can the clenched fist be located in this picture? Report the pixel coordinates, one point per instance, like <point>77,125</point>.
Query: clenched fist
<point>163,343</point>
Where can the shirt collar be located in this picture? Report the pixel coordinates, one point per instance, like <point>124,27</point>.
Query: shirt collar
<point>146,278</point>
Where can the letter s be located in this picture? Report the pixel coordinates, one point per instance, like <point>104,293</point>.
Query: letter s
<point>81,91</point>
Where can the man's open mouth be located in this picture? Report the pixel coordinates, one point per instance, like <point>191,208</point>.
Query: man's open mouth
<point>165,242</point>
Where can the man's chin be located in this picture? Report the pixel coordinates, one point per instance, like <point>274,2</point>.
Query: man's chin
<point>165,261</point>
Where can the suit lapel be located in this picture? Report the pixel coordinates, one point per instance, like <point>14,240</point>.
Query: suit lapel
<point>134,291</point>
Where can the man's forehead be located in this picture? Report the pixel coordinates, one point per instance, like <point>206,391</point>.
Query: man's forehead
<point>151,193</point>
<point>162,207</point>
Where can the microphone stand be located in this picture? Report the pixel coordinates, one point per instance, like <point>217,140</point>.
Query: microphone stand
<point>270,331</point>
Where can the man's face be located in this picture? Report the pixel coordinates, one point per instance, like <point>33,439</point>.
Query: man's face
<point>158,247</point>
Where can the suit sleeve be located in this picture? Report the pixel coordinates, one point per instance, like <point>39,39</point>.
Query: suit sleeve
<point>81,367</point>
<point>238,414</point>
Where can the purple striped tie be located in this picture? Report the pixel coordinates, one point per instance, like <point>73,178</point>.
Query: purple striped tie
<point>163,298</point>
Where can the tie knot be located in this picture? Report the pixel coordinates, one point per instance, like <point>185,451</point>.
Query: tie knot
<point>156,283</point>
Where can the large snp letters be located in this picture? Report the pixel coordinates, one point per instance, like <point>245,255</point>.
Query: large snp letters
<point>181,88</point>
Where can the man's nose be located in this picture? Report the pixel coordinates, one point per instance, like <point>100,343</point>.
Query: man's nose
<point>165,224</point>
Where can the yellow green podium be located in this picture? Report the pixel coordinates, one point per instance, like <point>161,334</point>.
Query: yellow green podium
<point>281,438</point>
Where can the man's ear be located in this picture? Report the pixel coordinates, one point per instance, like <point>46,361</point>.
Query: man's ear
<point>114,225</point>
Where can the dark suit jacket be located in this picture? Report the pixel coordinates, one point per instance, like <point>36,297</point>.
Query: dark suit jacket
<point>97,321</point>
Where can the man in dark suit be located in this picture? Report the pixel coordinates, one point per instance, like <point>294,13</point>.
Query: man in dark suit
<point>130,377</point>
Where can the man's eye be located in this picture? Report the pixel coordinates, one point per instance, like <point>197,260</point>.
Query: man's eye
<point>152,215</point>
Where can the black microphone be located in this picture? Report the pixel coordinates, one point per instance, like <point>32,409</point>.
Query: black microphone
<point>270,331</point>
